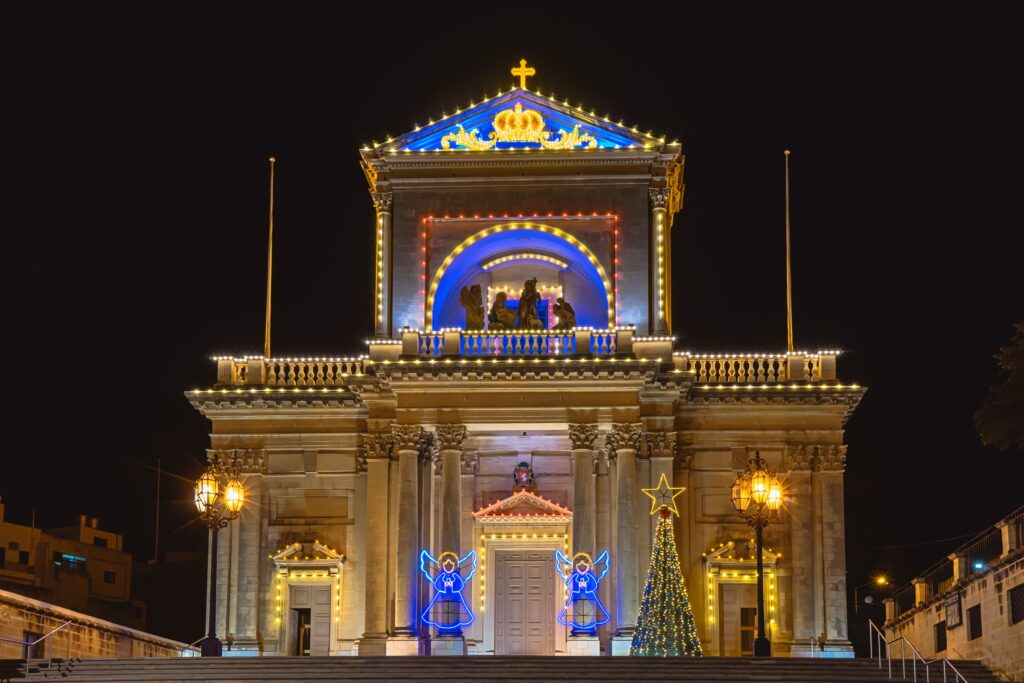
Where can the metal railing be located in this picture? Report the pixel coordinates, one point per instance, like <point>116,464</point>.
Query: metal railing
<point>38,640</point>
<point>877,643</point>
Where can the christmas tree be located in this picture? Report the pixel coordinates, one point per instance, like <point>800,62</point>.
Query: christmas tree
<point>666,626</point>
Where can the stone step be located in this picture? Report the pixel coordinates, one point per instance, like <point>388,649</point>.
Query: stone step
<point>503,669</point>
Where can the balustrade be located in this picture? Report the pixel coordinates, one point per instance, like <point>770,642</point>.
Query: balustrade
<point>757,369</point>
<point>290,372</point>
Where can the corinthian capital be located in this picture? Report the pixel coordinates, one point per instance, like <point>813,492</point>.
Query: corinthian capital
<point>382,201</point>
<point>624,435</point>
<point>582,435</point>
<point>659,197</point>
<point>661,444</point>
<point>451,436</point>
<point>408,437</point>
<point>376,446</point>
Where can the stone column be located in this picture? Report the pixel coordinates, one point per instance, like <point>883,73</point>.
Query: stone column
<point>584,535</point>
<point>408,441</point>
<point>450,438</point>
<point>660,256</point>
<point>623,444</point>
<point>377,448</point>
<point>661,448</point>
<point>382,203</point>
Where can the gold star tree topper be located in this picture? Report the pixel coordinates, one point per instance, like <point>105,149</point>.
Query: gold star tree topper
<point>664,496</point>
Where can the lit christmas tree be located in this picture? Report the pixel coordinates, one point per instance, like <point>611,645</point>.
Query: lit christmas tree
<point>665,626</point>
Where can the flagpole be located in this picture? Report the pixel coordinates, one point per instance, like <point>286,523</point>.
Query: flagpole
<point>270,262</point>
<point>789,275</point>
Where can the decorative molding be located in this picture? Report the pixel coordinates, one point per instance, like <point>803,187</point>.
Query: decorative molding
<point>382,201</point>
<point>815,457</point>
<point>377,446</point>
<point>408,437</point>
<point>470,462</point>
<point>582,435</point>
<point>239,460</point>
<point>450,437</point>
<point>659,197</point>
<point>661,444</point>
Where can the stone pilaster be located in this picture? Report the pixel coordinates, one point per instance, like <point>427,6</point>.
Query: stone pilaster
<point>382,311</point>
<point>661,449</point>
<point>450,438</point>
<point>408,441</point>
<point>584,536</point>
<point>377,449</point>
<point>660,257</point>
<point>623,443</point>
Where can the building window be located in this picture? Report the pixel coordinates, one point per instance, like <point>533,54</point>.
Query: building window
<point>1016,604</point>
<point>69,562</point>
<point>109,577</point>
<point>99,541</point>
<point>940,637</point>
<point>13,545</point>
<point>22,557</point>
<point>974,622</point>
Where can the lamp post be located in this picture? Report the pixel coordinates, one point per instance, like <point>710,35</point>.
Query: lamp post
<point>757,496</point>
<point>880,581</point>
<point>219,499</point>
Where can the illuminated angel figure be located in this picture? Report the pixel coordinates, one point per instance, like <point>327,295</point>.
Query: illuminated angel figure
<point>452,612</point>
<point>582,577</point>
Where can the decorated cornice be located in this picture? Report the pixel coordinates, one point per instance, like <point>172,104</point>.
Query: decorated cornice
<point>815,457</point>
<point>239,460</point>
<point>777,394</point>
<point>582,435</point>
<point>624,435</point>
<point>506,507</point>
<point>408,437</point>
<point>661,444</point>
<point>450,436</point>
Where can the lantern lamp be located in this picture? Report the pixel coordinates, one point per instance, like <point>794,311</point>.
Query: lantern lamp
<point>207,491</point>
<point>234,496</point>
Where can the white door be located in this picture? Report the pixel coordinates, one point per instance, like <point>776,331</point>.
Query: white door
<point>525,607</point>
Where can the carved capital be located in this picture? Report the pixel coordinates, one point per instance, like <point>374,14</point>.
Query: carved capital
<point>816,457</point>
<point>382,201</point>
<point>450,437</point>
<point>239,460</point>
<point>661,444</point>
<point>408,437</point>
<point>659,197</point>
<point>470,462</point>
<point>624,435</point>
<point>376,446</point>
<point>435,457</point>
<point>582,435</point>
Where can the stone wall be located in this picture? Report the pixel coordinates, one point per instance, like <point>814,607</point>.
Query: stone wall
<point>85,637</point>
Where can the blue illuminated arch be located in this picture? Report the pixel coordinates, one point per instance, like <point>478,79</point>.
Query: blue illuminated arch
<point>465,262</point>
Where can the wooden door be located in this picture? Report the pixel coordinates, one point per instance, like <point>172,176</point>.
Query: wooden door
<point>316,598</point>
<point>524,603</point>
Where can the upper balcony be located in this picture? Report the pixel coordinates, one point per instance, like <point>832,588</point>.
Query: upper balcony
<point>579,344</point>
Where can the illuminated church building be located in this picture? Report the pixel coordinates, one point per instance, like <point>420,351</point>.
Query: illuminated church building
<point>520,388</point>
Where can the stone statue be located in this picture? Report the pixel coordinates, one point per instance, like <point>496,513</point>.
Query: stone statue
<point>527,313</point>
<point>566,316</point>
<point>501,317</point>
<point>473,302</point>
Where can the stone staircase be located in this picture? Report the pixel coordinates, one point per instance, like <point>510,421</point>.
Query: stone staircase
<point>407,669</point>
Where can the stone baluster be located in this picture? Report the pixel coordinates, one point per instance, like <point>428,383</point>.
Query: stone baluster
<point>584,534</point>
<point>623,444</point>
<point>408,442</point>
<point>382,203</point>
<point>377,451</point>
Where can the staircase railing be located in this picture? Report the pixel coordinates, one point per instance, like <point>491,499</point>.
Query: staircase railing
<point>35,642</point>
<point>877,643</point>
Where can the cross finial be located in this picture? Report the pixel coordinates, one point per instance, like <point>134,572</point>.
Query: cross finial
<point>523,71</point>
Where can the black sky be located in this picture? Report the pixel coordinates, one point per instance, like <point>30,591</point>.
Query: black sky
<point>133,145</point>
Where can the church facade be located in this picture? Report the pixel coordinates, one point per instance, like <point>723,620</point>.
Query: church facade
<point>520,389</point>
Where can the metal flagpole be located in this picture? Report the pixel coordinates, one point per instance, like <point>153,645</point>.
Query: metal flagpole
<point>789,275</point>
<point>156,533</point>
<point>270,262</point>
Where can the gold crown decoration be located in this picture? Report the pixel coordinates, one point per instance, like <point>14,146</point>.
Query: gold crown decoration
<point>519,125</point>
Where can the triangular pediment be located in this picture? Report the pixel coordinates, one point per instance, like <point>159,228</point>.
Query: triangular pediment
<point>520,119</point>
<point>523,504</point>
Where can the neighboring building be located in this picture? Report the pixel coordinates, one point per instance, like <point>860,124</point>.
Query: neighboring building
<point>355,465</point>
<point>81,567</point>
<point>24,621</point>
<point>971,604</point>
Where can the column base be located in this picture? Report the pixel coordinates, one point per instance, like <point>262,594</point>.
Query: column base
<point>448,646</point>
<point>583,646</point>
<point>375,645</point>
<point>621,645</point>
<point>402,646</point>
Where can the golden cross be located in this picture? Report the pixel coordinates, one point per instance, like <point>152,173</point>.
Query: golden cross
<point>523,71</point>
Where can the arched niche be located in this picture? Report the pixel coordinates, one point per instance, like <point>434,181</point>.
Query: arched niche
<point>583,280</point>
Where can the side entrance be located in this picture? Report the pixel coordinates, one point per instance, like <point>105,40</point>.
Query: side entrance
<point>525,606</point>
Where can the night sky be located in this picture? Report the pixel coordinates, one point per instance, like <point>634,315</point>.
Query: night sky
<point>133,146</point>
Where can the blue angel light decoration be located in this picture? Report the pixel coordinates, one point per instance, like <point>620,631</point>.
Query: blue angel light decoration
<point>447,610</point>
<point>582,576</point>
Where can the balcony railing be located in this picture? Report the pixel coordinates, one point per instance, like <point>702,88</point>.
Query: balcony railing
<point>757,368</point>
<point>511,343</point>
<point>288,372</point>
